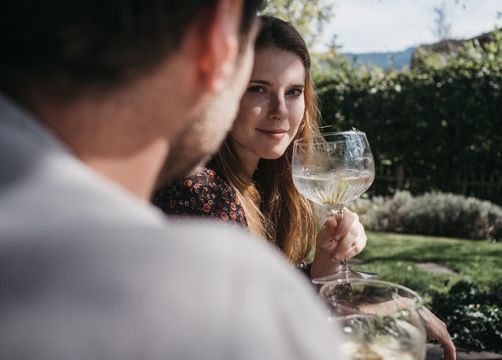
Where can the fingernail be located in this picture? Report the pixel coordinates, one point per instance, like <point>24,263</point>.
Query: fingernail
<point>337,237</point>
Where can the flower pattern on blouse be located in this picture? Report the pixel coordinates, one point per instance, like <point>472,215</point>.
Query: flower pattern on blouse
<point>206,193</point>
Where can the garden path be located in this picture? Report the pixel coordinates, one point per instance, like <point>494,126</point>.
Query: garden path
<point>435,268</point>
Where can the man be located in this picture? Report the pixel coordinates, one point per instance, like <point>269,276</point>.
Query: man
<point>95,97</point>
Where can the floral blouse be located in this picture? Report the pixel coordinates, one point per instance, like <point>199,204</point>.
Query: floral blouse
<point>206,193</point>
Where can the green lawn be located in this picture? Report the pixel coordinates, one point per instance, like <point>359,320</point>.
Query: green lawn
<point>393,257</point>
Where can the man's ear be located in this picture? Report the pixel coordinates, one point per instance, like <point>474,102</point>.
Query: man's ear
<point>219,44</point>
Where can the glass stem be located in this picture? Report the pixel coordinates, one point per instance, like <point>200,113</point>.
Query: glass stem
<point>344,266</point>
<point>338,214</point>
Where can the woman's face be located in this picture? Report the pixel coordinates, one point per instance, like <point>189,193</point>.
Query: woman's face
<point>273,105</point>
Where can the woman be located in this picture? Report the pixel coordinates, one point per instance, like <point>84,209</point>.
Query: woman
<point>249,180</point>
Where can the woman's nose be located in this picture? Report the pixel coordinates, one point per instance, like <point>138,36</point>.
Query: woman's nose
<point>278,109</point>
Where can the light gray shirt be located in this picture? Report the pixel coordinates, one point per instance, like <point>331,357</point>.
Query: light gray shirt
<point>89,271</point>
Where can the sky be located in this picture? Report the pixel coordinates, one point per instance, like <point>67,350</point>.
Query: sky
<point>394,25</point>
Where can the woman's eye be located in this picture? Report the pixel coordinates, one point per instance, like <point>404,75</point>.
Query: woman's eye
<point>295,92</point>
<point>256,89</point>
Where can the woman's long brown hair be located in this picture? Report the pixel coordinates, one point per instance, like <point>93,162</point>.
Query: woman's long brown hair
<point>274,209</point>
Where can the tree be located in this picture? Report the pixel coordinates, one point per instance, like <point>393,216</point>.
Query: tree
<point>442,28</point>
<point>308,16</point>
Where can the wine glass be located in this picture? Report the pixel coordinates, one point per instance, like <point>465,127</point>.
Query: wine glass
<point>332,170</point>
<point>380,320</point>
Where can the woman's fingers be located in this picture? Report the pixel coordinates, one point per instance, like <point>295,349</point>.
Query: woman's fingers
<point>326,236</point>
<point>351,245</point>
<point>436,329</point>
<point>353,251</point>
<point>345,224</point>
<point>341,239</point>
<point>353,238</point>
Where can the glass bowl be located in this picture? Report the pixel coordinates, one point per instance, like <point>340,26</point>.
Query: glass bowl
<point>380,320</point>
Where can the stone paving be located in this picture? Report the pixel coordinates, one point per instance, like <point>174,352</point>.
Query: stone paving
<point>435,268</point>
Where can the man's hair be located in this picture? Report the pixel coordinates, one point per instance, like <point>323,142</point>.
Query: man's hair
<point>64,46</point>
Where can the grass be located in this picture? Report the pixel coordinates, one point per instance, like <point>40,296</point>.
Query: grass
<point>393,257</point>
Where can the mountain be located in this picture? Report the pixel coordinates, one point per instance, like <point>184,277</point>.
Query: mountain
<point>396,60</point>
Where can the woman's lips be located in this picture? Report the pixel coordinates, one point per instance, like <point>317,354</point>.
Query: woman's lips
<point>273,134</point>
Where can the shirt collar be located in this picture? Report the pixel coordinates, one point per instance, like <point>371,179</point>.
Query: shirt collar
<point>14,116</point>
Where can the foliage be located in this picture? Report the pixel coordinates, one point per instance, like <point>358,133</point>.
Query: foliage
<point>308,16</point>
<point>474,317</point>
<point>471,311</point>
<point>440,121</point>
<point>437,214</point>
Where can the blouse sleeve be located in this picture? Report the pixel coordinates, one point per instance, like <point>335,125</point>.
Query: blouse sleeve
<point>203,194</point>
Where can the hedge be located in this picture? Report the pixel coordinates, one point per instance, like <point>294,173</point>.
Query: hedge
<point>441,121</point>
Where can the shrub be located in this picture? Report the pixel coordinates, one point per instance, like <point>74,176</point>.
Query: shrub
<point>474,318</point>
<point>435,213</point>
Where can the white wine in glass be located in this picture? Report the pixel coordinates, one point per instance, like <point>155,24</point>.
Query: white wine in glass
<point>334,190</point>
<point>380,320</point>
<point>333,170</point>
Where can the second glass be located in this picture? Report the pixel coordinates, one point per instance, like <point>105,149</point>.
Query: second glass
<point>380,320</point>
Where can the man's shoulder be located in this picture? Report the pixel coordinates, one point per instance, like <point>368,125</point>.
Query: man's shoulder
<point>195,280</point>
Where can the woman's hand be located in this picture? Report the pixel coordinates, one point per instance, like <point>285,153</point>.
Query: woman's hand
<point>436,329</point>
<point>337,240</point>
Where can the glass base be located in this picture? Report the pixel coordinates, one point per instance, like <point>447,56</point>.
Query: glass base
<point>344,274</point>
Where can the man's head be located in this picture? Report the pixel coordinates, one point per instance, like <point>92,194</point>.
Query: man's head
<point>115,79</point>
<point>210,123</point>
<point>70,47</point>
